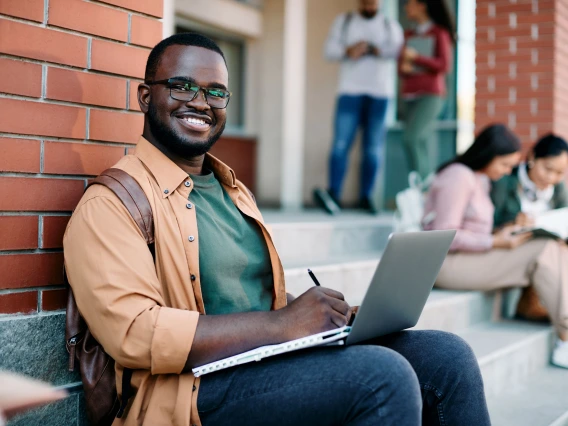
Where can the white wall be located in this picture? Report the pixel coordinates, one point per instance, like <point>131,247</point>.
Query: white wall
<point>270,111</point>
<point>238,18</point>
<point>321,85</point>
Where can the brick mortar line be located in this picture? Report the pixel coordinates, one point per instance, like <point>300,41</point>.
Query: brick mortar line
<point>129,33</point>
<point>45,12</point>
<point>39,300</point>
<point>65,140</point>
<point>41,156</point>
<point>25,289</point>
<point>68,67</point>
<point>45,176</point>
<point>30,251</point>
<point>65,103</point>
<point>40,233</point>
<point>127,94</point>
<point>112,6</point>
<point>71,31</point>
<point>89,51</point>
<point>88,123</point>
<point>21,213</point>
<point>43,81</point>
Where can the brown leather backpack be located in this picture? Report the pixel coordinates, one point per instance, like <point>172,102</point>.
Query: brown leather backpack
<point>95,365</point>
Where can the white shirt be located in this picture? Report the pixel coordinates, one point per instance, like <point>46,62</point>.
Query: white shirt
<point>369,75</point>
<point>534,201</point>
<point>423,28</point>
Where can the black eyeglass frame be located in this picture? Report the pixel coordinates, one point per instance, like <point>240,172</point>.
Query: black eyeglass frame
<point>169,82</point>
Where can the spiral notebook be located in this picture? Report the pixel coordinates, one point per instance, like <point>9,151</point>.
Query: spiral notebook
<point>331,337</point>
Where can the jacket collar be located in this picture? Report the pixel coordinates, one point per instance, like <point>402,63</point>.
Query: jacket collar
<point>169,175</point>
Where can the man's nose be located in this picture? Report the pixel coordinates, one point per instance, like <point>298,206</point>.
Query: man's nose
<point>200,101</point>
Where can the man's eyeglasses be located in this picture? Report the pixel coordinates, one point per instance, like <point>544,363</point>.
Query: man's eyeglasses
<point>183,90</point>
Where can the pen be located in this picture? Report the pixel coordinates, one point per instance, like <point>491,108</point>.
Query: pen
<point>313,277</point>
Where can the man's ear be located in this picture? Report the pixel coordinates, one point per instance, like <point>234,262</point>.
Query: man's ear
<point>144,97</point>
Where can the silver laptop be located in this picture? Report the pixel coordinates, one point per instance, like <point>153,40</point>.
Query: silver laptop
<point>401,285</point>
<point>394,300</point>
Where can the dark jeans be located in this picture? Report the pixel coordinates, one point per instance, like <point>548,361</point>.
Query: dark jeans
<point>405,379</point>
<point>352,112</point>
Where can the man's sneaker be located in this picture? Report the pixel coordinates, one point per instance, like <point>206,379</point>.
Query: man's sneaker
<point>326,201</point>
<point>368,205</point>
<point>560,354</point>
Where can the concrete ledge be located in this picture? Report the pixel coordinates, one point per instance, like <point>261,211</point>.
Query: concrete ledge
<point>34,345</point>
<point>69,412</point>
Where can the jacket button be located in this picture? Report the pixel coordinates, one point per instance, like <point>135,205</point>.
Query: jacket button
<point>192,277</point>
<point>189,205</point>
<point>191,238</point>
<point>166,191</point>
<point>188,184</point>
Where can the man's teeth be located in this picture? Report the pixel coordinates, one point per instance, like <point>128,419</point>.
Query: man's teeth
<point>195,120</point>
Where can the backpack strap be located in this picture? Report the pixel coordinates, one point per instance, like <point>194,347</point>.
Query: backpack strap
<point>129,191</point>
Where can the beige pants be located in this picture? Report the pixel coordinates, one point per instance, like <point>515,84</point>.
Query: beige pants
<point>542,263</point>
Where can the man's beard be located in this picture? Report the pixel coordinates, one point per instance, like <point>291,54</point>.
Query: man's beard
<point>368,15</point>
<point>174,142</point>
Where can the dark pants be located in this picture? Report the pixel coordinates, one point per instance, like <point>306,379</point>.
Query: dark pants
<point>405,379</point>
<point>352,112</point>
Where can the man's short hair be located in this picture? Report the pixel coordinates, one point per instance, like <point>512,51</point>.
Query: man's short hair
<point>182,39</point>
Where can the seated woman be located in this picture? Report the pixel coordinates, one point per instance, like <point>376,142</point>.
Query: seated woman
<point>480,260</point>
<point>533,188</point>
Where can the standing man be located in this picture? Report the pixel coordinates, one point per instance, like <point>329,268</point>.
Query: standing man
<point>217,289</point>
<point>366,42</point>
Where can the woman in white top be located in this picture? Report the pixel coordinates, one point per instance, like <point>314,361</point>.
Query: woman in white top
<point>535,187</point>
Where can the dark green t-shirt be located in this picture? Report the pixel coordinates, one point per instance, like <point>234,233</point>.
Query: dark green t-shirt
<point>234,262</point>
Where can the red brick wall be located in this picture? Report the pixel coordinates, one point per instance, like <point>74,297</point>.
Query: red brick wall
<point>521,58</point>
<point>561,68</point>
<point>68,75</point>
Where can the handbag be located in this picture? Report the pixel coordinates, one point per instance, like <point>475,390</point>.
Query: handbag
<point>410,204</point>
<point>530,308</point>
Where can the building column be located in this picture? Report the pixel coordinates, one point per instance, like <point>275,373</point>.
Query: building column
<point>293,101</point>
<point>168,21</point>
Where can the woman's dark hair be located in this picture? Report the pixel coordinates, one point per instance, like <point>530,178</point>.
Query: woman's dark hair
<point>438,12</point>
<point>550,146</point>
<point>493,141</point>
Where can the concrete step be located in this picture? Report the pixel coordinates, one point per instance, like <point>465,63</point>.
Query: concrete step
<point>445,310</point>
<point>541,401</point>
<point>509,352</point>
<point>455,311</point>
<point>349,274</point>
<point>312,236</point>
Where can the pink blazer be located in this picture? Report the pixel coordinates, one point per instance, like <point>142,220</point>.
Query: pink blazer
<point>459,199</point>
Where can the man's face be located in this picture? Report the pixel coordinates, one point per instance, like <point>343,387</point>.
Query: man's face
<point>369,8</point>
<point>187,128</point>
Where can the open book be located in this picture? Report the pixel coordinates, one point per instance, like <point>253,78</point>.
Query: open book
<point>552,224</point>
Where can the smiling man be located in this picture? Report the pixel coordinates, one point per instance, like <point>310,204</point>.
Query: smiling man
<point>216,289</point>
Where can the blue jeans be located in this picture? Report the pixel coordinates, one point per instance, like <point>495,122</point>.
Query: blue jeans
<point>404,379</point>
<point>352,112</point>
